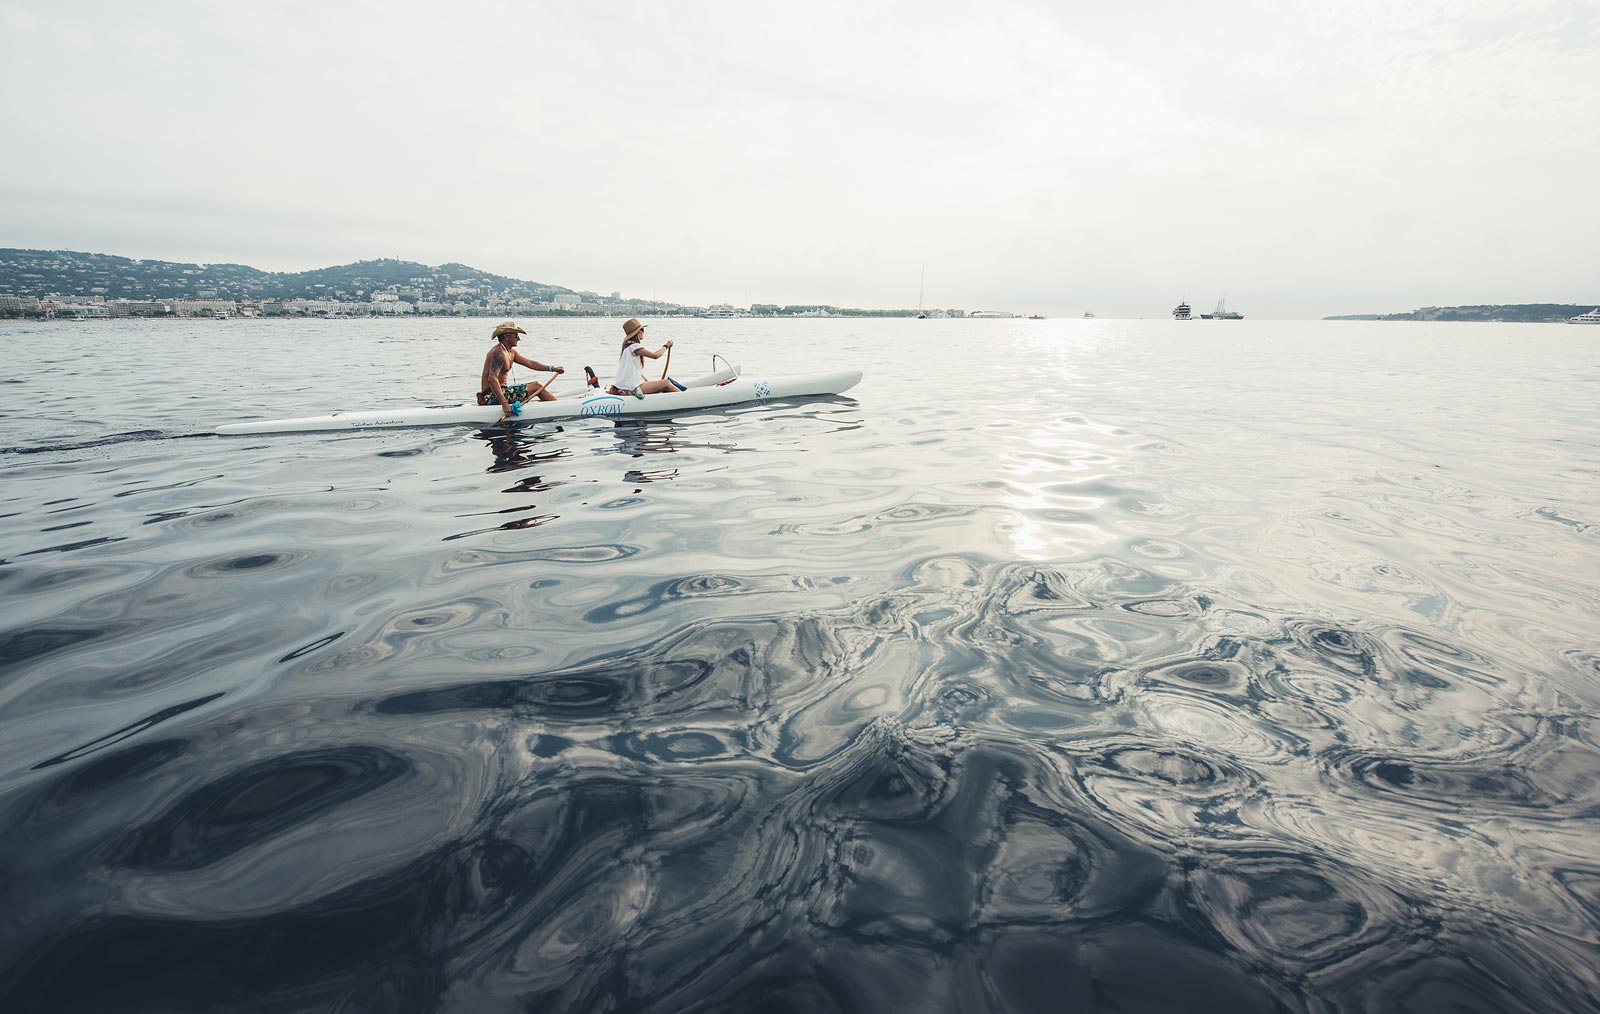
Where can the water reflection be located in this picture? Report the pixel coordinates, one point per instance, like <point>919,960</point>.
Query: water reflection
<point>518,449</point>
<point>515,448</point>
<point>640,437</point>
<point>1162,700</point>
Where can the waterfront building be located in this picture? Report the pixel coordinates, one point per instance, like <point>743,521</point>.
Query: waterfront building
<point>21,306</point>
<point>205,307</point>
<point>139,308</point>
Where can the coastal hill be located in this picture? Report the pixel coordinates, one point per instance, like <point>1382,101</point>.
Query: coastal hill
<point>67,284</point>
<point>40,273</point>
<point>1534,313</point>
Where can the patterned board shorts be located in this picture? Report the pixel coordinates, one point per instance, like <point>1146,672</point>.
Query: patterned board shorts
<point>514,392</point>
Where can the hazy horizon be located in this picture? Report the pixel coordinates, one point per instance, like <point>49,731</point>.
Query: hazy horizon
<point>1302,161</point>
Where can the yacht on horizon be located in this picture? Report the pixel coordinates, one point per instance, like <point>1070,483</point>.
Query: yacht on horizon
<point>721,311</point>
<point>1592,317</point>
<point>1181,311</point>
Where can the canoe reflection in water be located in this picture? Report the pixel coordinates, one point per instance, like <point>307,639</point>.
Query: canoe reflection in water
<point>516,449</point>
<point>642,437</point>
<point>639,437</point>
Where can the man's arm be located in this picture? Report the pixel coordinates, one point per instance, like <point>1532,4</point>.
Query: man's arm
<point>500,396</point>
<point>530,364</point>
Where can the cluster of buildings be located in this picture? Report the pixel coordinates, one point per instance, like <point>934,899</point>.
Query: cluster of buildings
<point>381,304</point>
<point>395,303</point>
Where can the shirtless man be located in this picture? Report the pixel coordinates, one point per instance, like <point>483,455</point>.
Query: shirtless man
<point>492,387</point>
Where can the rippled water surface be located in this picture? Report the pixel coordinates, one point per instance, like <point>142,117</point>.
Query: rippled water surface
<point>1061,665</point>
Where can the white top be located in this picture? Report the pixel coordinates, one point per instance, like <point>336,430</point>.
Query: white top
<point>630,374</point>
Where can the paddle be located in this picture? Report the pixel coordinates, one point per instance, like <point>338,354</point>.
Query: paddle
<point>535,392</point>
<point>516,406</point>
<point>667,366</point>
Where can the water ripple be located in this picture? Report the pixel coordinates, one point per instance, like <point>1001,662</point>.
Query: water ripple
<point>1093,691</point>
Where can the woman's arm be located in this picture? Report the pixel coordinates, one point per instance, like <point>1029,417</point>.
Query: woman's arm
<point>657,353</point>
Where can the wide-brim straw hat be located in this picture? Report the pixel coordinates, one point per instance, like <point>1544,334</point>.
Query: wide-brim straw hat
<point>506,327</point>
<point>631,327</point>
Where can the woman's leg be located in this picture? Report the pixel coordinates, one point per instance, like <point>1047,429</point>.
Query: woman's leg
<point>656,386</point>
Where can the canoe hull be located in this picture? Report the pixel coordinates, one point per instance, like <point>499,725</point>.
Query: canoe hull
<point>710,391</point>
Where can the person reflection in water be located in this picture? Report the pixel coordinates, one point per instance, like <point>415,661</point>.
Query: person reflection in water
<point>630,367</point>
<point>492,386</point>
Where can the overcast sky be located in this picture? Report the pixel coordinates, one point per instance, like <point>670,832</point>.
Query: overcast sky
<point>1301,158</point>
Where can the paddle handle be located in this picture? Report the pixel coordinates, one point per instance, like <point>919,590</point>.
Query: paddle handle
<point>668,364</point>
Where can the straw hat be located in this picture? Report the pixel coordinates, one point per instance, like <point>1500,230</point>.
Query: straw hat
<point>630,328</point>
<point>506,327</point>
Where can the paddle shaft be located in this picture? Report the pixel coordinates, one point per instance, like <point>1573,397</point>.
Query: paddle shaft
<point>530,395</point>
<point>535,392</point>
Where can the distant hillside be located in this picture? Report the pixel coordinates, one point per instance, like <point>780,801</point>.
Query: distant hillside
<point>40,273</point>
<point>1519,312</point>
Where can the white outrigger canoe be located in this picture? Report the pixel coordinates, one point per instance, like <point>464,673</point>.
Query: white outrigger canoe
<point>725,387</point>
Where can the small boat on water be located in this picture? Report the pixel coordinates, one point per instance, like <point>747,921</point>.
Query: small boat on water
<point>1087,315</point>
<point>1222,313</point>
<point>713,390</point>
<point>1182,311</point>
<point>1592,317</point>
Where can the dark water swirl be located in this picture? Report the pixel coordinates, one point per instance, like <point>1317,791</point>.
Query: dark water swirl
<point>1241,673</point>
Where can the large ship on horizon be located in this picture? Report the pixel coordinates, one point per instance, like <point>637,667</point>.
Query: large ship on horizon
<point>1182,311</point>
<point>721,311</point>
<point>1222,312</point>
<point>1592,317</point>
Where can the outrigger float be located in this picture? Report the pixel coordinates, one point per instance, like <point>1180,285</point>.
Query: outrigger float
<point>713,390</point>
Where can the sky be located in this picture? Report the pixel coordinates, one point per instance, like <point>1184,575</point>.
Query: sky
<point>1298,157</point>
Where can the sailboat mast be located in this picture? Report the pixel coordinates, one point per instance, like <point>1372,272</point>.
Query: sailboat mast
<point>921,285</point>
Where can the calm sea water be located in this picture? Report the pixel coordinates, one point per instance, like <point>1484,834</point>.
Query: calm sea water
<point>1061,665</point>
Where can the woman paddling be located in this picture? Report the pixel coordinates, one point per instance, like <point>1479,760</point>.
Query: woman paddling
<point>630,367</point>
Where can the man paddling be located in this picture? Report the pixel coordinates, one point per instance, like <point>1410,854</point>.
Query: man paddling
<point>497,368</point>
